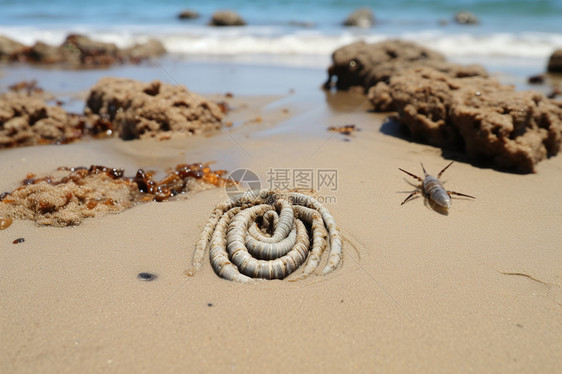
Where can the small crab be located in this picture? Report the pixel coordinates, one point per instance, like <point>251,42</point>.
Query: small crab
<point>432,189</point>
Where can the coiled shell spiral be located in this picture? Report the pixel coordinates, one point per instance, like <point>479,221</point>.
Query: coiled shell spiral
<point>269,236</point>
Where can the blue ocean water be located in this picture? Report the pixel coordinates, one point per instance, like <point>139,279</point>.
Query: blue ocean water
<point>524,29</point>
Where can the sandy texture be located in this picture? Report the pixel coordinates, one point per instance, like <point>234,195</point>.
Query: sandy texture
<point>492,123</point>
<point>68,195</point>
<point>139,109</point>
<point>476,290</point>
<point>130,108</point>
<point>29,120</point>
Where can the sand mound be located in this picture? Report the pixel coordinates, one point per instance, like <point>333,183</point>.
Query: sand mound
<point>69,195</point>
<point>28,120</point>
<point>140,109</point>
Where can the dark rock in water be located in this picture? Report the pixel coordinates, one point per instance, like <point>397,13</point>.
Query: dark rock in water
<point>555,62</point>
<point>362,17</point>
<point>143,51</point>
<point>10,48</point>
<point>492,123</point>
<point>362,64</point>
<point>536,79</point>
<point>78,51</point>
<point>147,276</point>
<point>305,24</point>
<point>45,54</point>
<point>188,14</point>
<point>466,18</point>
<point>85,51</point>
<point>226,18</point>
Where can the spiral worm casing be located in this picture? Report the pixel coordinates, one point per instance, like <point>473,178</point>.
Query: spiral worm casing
<point>269,236</point>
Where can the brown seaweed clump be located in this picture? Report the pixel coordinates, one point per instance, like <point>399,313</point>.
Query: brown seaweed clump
<point>364,65</point>
<point>69,195</point>
<point>155,109</point>
<point>492,123</point>
<point>344,129</point>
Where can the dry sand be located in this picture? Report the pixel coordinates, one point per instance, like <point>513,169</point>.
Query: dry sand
<point>476,290</point>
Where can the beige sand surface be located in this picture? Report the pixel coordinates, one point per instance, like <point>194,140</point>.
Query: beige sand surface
<point>477,290</point>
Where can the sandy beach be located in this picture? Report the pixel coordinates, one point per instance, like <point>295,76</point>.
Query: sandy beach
<point>476,290</point>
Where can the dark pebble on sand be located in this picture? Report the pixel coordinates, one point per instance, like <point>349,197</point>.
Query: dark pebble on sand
<point>146,276</point>
<point>19,240</point>
<point>209,304</point>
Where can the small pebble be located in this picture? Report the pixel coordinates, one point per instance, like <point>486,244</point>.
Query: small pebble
<point>146,276</point>
<point>209,304</point>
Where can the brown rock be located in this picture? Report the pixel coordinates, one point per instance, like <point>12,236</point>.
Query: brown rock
<point>10,48</point>
<point>80,49</point>
<point>466,18</point>
<point>362,17</point>
<point>28,120</point>
<point>45,54</point>
<point>362,64</point>
<point>188,14</point>
<point>226,18</point>
<point>303,24</point>
<point>143,51</point>
<point>555,62</point>
<point>490,122</point>
<point>140,109</point>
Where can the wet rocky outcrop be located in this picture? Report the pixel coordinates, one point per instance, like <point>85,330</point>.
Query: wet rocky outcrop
<point>27,119</point>
<point>78,51</point>
<point>155,109</point>
<point>555,62</point>
<point>491,123</point>
<point>466,18</point>
<point>226,18</point>
<point>363,17</point>
<point>364,65</point>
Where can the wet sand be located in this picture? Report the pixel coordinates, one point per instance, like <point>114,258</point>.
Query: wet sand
<point>477,290</point>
